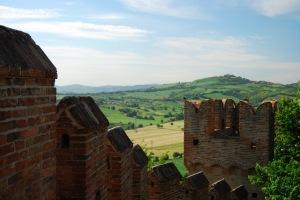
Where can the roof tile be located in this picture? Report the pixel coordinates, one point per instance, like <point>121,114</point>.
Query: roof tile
<point>221,187</point>
<point>119,139</point>
<point>85,111</point>
<point>20,56</point>
<point>197,180</point>
<point>139,156</point>
<point>166,172</point>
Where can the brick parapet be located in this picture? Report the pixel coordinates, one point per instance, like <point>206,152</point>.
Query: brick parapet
<point>225,139</point>
<point>27,137</point>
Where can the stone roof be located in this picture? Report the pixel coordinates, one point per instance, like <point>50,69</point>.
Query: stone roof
<point>166,172</point>
<point>197,180</point>
<point>221,187</point>
<point>119,139</point>
<point>85,111</point>
<point>20,56</point>
<point>139,156</point>
<point>240,192</point>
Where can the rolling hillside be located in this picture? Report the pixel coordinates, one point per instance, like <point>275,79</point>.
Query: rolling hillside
<point>163,103</point>
<point>83,89</point>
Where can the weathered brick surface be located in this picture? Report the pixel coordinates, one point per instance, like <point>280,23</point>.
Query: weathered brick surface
<point>27,116</point>
<point>119,162</point>
<point>81,149</point>
<point>196,187</point>
<point>239,193</point>
<point>226,140</point>
<point>139,176</point>
<point>63,152</point>
<point>220,190</point>
<point>164,183</point>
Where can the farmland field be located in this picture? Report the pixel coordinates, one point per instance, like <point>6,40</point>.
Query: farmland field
<point>166,139</point>
<point>163,140</point>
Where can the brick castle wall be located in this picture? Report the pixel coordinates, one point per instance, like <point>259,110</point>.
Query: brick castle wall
<point>226,140</point>
<point>27,117</point>
<point>52,152</point>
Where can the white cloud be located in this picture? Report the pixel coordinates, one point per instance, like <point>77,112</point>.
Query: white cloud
<point>82,30</point>
<point>166,7</point>
<point>269,8</point>
<point>174,59</point>
<point>212,51</point>
<point>107,16</point>
<point>20,13</point>
<point>91,66</point>
<point>202,44</point>
<point>272,8</point>
<point>70,3</point>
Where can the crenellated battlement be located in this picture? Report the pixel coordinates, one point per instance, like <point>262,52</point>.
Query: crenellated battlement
<point>223,118</point>
<point>167,183</point>
<point>226,139</point>
<point>228,103</point>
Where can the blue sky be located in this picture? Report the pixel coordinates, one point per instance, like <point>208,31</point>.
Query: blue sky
<point>128,42</point>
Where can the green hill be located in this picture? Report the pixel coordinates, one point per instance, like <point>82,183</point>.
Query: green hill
<point>163,103</point>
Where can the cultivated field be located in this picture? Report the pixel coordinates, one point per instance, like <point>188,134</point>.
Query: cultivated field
<point>166,139</point>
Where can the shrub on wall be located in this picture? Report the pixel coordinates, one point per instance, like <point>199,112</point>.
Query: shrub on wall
<point>280,179</point>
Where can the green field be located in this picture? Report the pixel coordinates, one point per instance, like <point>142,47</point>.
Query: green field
<point>167,139</point>
<point>117,117</point>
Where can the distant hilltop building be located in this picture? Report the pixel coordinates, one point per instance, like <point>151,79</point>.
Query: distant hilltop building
<point>64,151</point>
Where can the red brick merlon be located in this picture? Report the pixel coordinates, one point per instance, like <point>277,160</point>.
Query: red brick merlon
<point>139,156</point>
<point>196,187</point>
<point>240,193</point>
<point>165,182</point>
<point>220,190</point>
<point>119,139</point>
<point>166,172</point>
<point>197,181</point>
<point>20,56</point>
<point>84,112</point>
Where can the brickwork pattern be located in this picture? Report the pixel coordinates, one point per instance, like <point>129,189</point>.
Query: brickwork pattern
<point>119,158</point>
<point>27,117</point>
<point>63,152</point>
<point>139,176</point>
<point>81,150</point>
<point>164,183</point>
<point>226,140</point>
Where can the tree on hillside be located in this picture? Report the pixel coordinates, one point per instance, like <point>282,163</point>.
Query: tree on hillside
<point>280,179</point>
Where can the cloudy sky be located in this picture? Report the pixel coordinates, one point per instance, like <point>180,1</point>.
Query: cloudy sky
<point>128,42</point>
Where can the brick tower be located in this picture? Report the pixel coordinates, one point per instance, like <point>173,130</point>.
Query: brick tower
<point>226,140</point>
<point>27,117</point>
<point>81,149</point>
